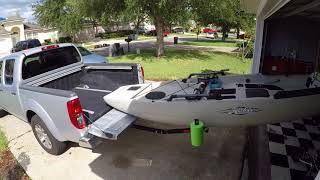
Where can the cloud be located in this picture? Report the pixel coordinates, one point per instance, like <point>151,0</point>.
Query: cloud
<point>10,8</point>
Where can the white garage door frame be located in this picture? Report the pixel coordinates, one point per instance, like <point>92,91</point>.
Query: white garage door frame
<point>265,9</point>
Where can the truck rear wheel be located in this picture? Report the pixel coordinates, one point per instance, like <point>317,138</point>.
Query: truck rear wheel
<point>47,141</point>
<point>3,113</point>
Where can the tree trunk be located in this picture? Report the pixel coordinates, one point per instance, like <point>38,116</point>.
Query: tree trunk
<point>224,34</point>
<point>225,30</point>
<point>137,25</point>
<point>238,33</point>
<point>160,40</point>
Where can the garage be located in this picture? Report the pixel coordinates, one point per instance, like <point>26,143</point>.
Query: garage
<point>287,44</point>
<point>287,38</point>
<point>291,42</point>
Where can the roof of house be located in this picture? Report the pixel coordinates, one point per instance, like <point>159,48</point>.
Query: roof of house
<point>15,18</point>
<point>28,26</point>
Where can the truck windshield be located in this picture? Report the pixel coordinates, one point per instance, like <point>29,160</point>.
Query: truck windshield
<point>49,60</point>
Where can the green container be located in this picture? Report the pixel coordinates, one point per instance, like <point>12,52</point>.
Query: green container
<point>196,128</point>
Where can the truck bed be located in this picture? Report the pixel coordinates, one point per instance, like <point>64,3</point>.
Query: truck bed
<point>91,85</point>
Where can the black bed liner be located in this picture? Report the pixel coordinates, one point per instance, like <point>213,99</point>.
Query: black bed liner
<point>92,101</point>
<point>91,85</point>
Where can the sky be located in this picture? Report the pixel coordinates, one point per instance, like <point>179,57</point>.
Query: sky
<point>10,7</point>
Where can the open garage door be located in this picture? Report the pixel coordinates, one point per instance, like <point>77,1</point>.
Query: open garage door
<point>291,39</point>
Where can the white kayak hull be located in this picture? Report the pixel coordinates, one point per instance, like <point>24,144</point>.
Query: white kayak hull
<point>237,111</point>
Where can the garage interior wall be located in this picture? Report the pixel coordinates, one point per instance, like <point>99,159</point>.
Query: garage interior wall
<point>291,39</point>
<point>292,35</point>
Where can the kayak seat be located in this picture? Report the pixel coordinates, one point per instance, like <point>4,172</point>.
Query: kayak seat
<point>254,93</point>
<point>134,88</point>
<point>223,91</point>
<point>155,95</point>
<point>262,86</point>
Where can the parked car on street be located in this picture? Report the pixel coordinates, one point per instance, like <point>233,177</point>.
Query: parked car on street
<point>90,57</point>
<point>154,33</point>
<point>178,30</point>
<point>27,44</point>
<point>212,35</point>
<point>62,98</point>
<point>207,30</point>
<point>141,30</point>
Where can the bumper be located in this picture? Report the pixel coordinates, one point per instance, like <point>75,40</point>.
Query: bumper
<point>89,141</point>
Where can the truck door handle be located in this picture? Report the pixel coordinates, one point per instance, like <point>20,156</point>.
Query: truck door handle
<point>13,93</point>
<point>1,89</point>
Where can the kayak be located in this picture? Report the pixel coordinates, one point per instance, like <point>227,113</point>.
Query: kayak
<point>218,100</point>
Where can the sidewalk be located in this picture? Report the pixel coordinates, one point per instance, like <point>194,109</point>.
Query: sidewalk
<point>205,48</point>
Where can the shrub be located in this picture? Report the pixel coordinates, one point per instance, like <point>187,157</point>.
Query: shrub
<point>122,33</point>
<point>67,39</point>
<point>47,41</point>
<point>248,48</point>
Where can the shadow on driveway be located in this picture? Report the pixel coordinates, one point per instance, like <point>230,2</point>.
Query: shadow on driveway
<point>143,155</point>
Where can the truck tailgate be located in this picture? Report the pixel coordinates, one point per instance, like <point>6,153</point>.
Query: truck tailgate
<point>111,125</point>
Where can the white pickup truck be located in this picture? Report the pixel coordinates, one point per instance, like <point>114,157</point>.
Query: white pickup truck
<point>62,99</point>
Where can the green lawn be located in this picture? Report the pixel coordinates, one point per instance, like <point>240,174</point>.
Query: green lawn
<point>3,142</point>
<point>211,43</point>
<point>180,63</point>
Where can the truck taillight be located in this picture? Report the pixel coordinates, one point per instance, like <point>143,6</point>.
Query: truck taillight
<point>76,113</point>
<point>50,47</point>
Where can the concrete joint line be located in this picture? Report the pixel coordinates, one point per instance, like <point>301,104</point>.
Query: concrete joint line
<point>19,136</point>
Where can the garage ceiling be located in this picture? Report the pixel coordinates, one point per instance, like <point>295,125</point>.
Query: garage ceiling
<point>299,8</point>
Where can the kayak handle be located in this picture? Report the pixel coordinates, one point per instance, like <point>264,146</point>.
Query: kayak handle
<point>191,97</point>
<point>212,73</point>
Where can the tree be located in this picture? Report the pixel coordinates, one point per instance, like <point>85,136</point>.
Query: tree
<point>135,15</point>
<point>58,14</point>
<point>161,13</point>
<point>226,14</point>
<point>69,16</point>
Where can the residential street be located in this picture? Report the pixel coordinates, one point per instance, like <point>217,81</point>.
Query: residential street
<point>134,45</point>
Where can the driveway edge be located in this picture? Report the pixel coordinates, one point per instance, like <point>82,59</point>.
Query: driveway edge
<point>258,154</point>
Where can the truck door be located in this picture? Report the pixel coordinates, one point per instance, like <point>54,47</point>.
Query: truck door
<point>9,97</point>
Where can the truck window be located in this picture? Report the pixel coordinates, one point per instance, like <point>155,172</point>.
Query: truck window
<point>8,71</point>
<point>0,72</point>
<point>49,60</point>
<point>83,51</point>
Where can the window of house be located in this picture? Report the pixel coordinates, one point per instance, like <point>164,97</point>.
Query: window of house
<point>8,71</point>
<point>29,36</point>
<point>35,35</point>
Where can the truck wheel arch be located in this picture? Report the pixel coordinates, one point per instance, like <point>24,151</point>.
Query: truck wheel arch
<point>36,109</point>
<point>30,114</point>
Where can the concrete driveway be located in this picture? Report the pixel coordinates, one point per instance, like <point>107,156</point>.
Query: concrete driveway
<point>136,155</point>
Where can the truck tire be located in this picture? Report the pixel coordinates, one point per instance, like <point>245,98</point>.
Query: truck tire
<point>45,138</point>
<point>3,113</point>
